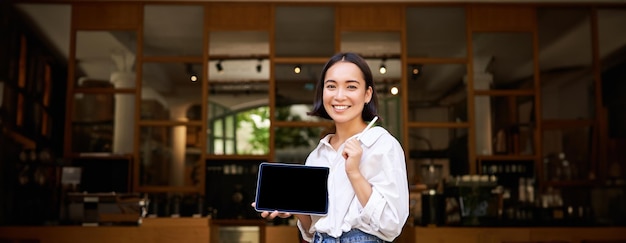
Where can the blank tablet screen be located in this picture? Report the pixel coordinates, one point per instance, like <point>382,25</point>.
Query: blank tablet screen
<point>292,188</point>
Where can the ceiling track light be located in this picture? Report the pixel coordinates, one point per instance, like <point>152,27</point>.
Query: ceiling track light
<point>383,69</point>
<point>193,76</point>
<point>416,70</point>
<point>297,69</point>
<point>394,90</point>
<point>259,66</point>
<point>219,67</point>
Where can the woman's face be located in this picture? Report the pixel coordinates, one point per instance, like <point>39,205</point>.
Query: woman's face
<point>345,92</point>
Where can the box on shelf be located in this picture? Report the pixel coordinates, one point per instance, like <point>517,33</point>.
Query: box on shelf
<point>93,209</point>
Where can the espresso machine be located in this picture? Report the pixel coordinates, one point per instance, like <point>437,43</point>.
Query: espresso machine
<point>433,199</point>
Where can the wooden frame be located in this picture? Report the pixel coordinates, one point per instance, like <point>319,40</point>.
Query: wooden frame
<point>374,16</point>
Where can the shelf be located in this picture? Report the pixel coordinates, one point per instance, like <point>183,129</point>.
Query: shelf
<point>183,221</point>
<point>560,124</point>
<point>26,142</point>
<point>496,158</point>
<point>572,183</point>
<point>101,155</point>
<point>517,92</point>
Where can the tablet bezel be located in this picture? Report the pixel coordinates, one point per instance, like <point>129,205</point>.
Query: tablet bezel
<point>289,189</point>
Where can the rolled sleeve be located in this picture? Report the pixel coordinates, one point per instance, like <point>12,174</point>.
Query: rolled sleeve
<point>387,209</point>
<point>303,232</point>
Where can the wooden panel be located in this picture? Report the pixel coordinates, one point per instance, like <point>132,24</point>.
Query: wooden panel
<point>6,240</point>
<point>578,235</point>
<point>107,16</point>
<point>491,235</point>
<point>215,225</point>
<point>446,235</point>
<point>407,235</point>
<point>557,241</point>
<point>371,17</point>
<point>282,234</point>
<point>196,230</point>
<point>604,241</point>
<point>502,18</point>
<point>118,234</point>
<point>518,234</point>
<point>166,222</point>
<point>237,16</point>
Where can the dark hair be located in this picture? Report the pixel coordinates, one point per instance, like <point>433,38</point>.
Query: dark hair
<point>369,110</point>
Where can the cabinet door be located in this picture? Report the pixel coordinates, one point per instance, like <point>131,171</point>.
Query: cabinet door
<point>102,74</point>
<point>503,85</point>
<point>612,87</point>
<point>567,92</point>
<point>436,101</point>
<point>503,91</point>
<point>504,102</point>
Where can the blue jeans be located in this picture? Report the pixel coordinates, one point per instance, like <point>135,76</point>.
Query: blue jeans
<point>352,236</point>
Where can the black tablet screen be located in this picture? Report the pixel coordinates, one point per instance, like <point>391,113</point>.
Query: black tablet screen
<point>292,188</point>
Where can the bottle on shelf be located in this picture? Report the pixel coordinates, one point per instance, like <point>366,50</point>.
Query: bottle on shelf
<point>500,146</point>
<point>521,190</point>
<point>557,166</point>
<point>566,167</point>
<point>546,168</point>
<point>530,190</point>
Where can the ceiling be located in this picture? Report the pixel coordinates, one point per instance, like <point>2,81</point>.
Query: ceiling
<point>506,56</point>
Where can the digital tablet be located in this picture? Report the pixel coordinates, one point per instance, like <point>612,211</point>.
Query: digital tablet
<point>292,188</point>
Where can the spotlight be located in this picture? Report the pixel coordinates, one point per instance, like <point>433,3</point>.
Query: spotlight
<point>415,71</point>
<point>259,67</point>
<point>193,76</point>
<point>297,69</point>
<point>219,67</point>
<point>383,68</point>
<point>394,90</point>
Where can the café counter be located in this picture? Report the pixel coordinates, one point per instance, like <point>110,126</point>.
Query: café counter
<point>152,230</point>
<point>203,230</point>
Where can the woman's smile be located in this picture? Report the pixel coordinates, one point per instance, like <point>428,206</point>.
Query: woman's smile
<point>341,107</point>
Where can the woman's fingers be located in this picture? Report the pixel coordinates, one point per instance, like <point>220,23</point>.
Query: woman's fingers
<point>269,215</point>
<point>280,215</point>
<point>272,215</point>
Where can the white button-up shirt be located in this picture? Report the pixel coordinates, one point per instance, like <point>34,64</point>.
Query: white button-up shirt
<point>383,165</point>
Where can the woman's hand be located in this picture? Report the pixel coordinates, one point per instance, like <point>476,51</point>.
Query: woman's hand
<point>352,153</point>
<point>271,215</point>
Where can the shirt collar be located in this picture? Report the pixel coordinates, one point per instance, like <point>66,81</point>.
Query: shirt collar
<point>370,136</point>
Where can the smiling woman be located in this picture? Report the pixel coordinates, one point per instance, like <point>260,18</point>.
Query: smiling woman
<point>456,76</point>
